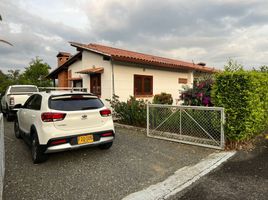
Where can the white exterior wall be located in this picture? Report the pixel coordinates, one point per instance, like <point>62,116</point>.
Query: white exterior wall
<point>88,61</point>
<point>163,81</point>
<point>75,67</point>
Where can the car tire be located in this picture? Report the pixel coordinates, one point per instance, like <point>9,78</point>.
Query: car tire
<point>106,145</point>
<point>8,115</point>
<point>37,152</point>
<point>17,129</point>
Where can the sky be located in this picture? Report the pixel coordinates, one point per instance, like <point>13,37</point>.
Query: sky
<point>210,31</point>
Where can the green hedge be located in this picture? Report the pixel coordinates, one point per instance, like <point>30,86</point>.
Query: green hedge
<point>244,95</point>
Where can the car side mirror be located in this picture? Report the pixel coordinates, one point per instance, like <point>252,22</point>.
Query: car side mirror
<point>18,106</point>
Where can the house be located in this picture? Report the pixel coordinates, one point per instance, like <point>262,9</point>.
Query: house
<point>107,70</point>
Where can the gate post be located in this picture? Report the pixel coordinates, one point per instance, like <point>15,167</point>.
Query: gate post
<point>222,129</point>
<point>148,120</point>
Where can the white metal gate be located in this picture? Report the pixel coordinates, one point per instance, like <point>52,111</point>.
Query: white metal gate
<point>196,125</point>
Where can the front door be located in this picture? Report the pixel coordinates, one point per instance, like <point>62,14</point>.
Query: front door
<point>95,84</point>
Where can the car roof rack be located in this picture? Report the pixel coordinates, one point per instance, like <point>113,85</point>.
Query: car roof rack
<point>71,89</point>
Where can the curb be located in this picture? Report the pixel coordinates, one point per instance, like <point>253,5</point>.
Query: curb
<point>131,128</point>
<point>181,179</point>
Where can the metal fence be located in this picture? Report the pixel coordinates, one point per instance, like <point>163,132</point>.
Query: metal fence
<point>2,155</point>
<point>196,125</point>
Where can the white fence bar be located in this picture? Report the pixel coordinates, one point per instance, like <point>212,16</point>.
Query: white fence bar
<point>197,125</point>
<point>2,155</point>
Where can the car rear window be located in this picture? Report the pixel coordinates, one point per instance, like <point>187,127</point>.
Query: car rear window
<point>23,89</point>
<point>74,102</point>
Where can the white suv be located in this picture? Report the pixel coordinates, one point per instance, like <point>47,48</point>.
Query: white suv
<point>59,121</point>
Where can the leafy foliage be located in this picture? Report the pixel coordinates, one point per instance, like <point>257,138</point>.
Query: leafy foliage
<point>233,66</point>
<point>244,95</point>
<point>199,95</point>
<point>34,74</point>
<point>163,98</point>
<point>132,112</point>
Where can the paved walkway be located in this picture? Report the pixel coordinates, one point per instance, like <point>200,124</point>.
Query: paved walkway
<point>245,176</point>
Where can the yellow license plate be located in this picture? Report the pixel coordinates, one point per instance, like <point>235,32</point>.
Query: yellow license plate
<point>85,139</point>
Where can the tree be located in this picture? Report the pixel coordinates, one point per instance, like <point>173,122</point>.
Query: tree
<point>11,78</point>
<point>264,68</point>
<point>36,73</point>
<point>4,82</point>
<point>14,76</point>
<point>233,66</point>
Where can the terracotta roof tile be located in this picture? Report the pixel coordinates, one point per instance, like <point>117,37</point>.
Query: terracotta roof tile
<point>141,58</point>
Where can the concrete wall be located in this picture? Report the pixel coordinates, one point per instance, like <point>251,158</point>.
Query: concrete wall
<point>163,81</point>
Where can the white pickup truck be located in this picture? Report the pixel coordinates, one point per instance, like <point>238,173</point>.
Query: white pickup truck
<point>15,94</point>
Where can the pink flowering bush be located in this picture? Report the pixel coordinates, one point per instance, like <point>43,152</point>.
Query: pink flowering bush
<point>199,95</point>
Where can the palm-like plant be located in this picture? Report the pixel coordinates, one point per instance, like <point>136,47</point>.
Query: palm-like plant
<point>4,41</point>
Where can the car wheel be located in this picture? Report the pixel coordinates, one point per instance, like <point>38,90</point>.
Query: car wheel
<point>17,129</point>
<point>106,145</point>
<point>38,155</point>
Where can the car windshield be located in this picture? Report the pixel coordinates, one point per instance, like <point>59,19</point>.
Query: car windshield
<point>74,102</point>
<point>23,89</point>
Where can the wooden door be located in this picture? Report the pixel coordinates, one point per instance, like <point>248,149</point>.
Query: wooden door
<point>95,84</point>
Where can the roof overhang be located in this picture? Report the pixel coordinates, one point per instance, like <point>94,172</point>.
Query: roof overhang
<point>94,70</point>
<point>84,47</point>
<point>164,66</point>
<point>75,79</point>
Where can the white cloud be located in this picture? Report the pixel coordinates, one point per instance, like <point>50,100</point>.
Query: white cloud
<point>203,30</point>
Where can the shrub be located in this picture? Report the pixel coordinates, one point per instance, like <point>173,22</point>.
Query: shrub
<point>244,95</point>
<point>199,95</point>
<point>163,98</point>
<point>132,112</point>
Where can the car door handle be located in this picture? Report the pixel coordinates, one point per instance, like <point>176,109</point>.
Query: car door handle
<point>33,116</point>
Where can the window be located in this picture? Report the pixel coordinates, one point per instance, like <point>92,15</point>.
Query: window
<point>74,102</point>
<point>34,102</point>
<point>183,80</point>
<point>77,83</point>
<point>143,85</point>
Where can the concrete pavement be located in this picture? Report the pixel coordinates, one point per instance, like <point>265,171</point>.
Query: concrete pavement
<point>245,176</point>
<point>134,162</point>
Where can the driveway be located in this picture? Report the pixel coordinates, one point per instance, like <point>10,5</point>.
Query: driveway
<point>132,164</point>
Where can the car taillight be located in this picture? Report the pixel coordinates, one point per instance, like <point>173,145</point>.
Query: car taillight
<point>106,134</point>
<point>11,101</point>
<point>105,113</point>
<point>56,142</point>
<point>52,117</point>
